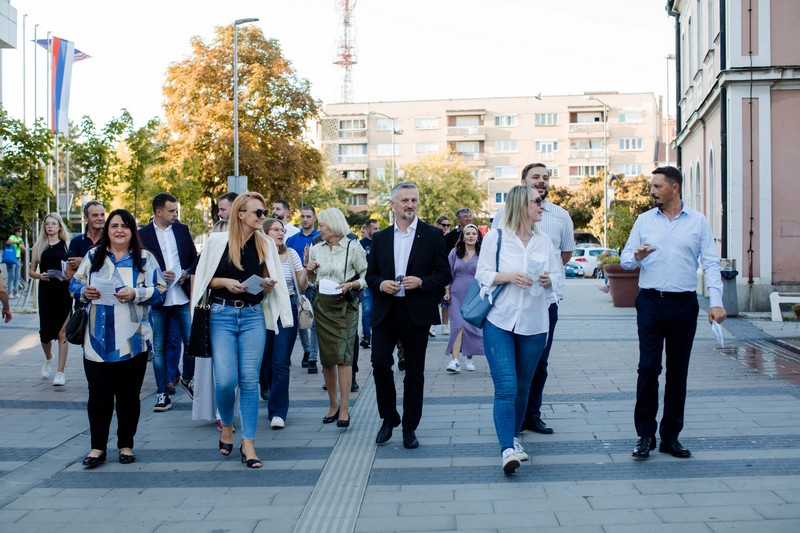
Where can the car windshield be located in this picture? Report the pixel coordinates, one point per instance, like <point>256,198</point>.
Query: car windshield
<point>578,252</point>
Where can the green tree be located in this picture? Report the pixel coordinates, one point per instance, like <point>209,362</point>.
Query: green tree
<point>330,190</point>
<point>139,164</point>
<point>94,152</point>
<point>274,108</point>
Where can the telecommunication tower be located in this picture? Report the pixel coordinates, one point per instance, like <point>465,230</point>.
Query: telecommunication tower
<point>346,55</point>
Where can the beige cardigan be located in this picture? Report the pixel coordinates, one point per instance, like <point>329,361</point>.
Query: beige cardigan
<point>276,304</point>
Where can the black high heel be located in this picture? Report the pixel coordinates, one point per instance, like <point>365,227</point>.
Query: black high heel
<point>251,463</point>
<point>344,423</point>
<point>225,448</point>
<point>93,462</point>
<point>332,418</point>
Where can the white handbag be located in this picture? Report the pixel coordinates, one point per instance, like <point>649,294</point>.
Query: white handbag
<point>305,314</point>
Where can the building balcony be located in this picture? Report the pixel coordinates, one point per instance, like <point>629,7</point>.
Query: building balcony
<point>466,133</point>
<point>352,159</point>
<point>353,134</point>
<point>471,159</point>
<point>594,153</point>
<point>546,156</point>
<point>578,128</point>
<point>356,184</point>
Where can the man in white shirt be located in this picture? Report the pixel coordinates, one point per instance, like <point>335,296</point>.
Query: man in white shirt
<point>282,211</point>
<point>556,224</point>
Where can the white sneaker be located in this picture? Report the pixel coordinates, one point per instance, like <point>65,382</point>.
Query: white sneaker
<point>60,380</point>
<point>454,366</point>
<point>520,451</point>
<point>510,460</point>
<point>470,365</point>
<point>47,368</point>
<point>431,333</point>
<point>445,329</point>
<point>277,423</point>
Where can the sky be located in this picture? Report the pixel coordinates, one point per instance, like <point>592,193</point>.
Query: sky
<point>407,49</point>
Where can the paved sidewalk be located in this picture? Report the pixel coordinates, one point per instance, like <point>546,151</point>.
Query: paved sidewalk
<point>742,426</point>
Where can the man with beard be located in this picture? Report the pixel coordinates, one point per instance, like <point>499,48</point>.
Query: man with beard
<point>556,224</point>
<point>667,243</point>
<point>407,272</point>
<point>282,211</point>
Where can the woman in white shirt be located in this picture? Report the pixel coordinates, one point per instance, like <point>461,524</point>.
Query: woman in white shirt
<point>515,330</point>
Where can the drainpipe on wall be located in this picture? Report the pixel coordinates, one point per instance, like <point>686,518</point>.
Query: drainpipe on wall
<point>678,55</point>
<point>723,100</point>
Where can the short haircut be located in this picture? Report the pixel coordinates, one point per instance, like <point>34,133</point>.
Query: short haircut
<point>442,218</point>
<point>402,185</point>
<point>371,221</point>
<point>284,203</point>
<point>672,174</point>
<point>230,196</point>
<point>334,219</point>
<point>532,166</point>
<point>89,204</point>
<point>463,211</point>
<point>161,199</point>
<point>309,208</point>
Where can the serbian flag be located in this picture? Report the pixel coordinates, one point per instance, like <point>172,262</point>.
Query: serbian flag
<point>62,55</point>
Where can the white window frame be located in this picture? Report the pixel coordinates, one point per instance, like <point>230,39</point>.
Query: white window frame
<point>542,143</point>
<point>505,121</point>
<point>385,149</point>
<point>545,119</point>
<point>426,123</point>
<point>383,124</point>
<point>506,146</point>
<point>631,144</point>
<point>505,172</point>
<point>352,125</point>
<point>426,148</point>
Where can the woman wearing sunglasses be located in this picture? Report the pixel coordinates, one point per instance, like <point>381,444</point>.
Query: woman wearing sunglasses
<point>515,330</point>
<point>239,313</point>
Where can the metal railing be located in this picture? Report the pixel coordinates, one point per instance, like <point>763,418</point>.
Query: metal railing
<point>466,130</point>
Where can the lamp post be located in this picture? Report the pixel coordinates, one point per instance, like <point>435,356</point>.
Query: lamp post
<point>668,57</point>
<point>606,162</point>
<point>234,185</point>
<point>395,131</point>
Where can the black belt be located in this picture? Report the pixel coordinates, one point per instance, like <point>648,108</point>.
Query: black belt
<point>667,295</point>
<point>238,304</point>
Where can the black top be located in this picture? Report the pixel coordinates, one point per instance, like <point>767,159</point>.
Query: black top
<point>80,246</point>
<point>250,264</point>
<point>366,244</point>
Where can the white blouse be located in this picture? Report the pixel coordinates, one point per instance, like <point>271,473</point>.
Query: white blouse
<point>516,309</point>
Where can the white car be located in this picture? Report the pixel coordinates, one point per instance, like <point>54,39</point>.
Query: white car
<point>587,256</point>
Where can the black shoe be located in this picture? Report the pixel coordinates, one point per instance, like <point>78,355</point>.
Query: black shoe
<point>126,459</point>
<point>188,385</point>
<point>410,439</point>
<point>304,362</point>
<point>343,423</point>
<point>364,342</point>
<point>312,367</point>
<point>93,462</point>
<point>385,433</point>
<point>324,387</point>
<point>536,425</point>
<point>225,448</point>
<point>643,447</point>
<point>251,463</point>
<point>333,418</point>
<point>170,388</point>
<point>354,387</point>
<point>674,448</point>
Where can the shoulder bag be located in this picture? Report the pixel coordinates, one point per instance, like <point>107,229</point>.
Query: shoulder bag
<point>351,295</point>
<point>474,309</point>
<point>200,333</point>
<point>10,254</point>
<point>75,329</point>
<point>305,313</point>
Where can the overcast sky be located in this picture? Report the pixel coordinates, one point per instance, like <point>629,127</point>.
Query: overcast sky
<point>407,49</point>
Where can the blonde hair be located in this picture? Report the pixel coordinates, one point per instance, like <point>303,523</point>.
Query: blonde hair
<point>516,213</point>
<point>334,219</point>
<point>236,234</point>
<point>41,243</point>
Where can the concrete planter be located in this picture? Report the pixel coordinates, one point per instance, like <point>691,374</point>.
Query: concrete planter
<point>623,285</point>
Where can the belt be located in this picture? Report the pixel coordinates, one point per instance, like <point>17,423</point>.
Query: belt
<point>238,304</point>
<point>668,295</point>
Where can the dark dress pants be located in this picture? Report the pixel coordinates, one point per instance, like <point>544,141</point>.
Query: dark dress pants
<point>661,322</point>
<point>534,409</point>
<point>397,326</point>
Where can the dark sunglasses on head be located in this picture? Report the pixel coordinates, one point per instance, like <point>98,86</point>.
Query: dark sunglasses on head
<point>259,212</point>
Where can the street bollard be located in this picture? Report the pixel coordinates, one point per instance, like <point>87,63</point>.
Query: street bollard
<point>730,297</point>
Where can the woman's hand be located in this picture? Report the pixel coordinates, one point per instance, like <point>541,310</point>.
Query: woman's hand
<point>267,285</point>
<point>545,281</point>
<point>345,287</point>
<point>44,277</point>
<point>447,296</point>
<point>125,295</point>
<point>520,279</point>
<point>91,293</point>
<point>311,266</point>
<point>232,286</point>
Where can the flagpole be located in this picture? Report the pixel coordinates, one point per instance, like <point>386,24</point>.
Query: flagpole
<point>49,118</point>
<point>24,74</point>
<point>35,73</point>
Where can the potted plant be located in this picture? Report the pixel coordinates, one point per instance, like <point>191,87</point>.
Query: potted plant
<point>623,284</point>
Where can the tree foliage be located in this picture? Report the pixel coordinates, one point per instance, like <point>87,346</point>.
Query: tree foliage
<point>274,108</point>
<point>95,153</point>
<point>142,156</point>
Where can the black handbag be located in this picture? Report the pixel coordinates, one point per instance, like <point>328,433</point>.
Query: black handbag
<point>200,334</point>
<point>76,325</point>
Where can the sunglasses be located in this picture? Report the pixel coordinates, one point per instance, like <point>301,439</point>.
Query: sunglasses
<point>445,225</point>
<point>259,212</point>
<point>539,202</point>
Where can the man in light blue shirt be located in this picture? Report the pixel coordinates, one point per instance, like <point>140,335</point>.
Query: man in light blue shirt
<point>667,243</point>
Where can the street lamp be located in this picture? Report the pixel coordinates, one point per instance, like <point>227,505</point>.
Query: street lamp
<point>395,131</point>
<point>234,185</point>
<point>668,57</point>
<point>605,176</point>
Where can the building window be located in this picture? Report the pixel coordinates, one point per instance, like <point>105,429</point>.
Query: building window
<point>467,147</point>
<point>352,153</point>
<point>500,197</point>
<point>383,124</point>
<point>386,149</point>
<point>546,119</point>
<point>380,173</point>
<point>545,147</point>
<point>354,174</point>
<point>631,144</point>
<point>505,172</point>
<point>505,121</point>
<point>505,146</point>
<point>352,124</point>
<point>631,117</point>
<point>426,123</point>
<point>553,171</point>
<point>631,169</point>
<point>426,148</point>
<point>585,170</point>
<point>470,121</point>
<point>357,199</point>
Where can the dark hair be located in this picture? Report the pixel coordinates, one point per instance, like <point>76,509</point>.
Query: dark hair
<point>442,218</point>
<point>101,250</point>
<point>308,208</point>
<point>461,246</point>
<point>532,166</point>
<point>672,174</point>
<point>17,229</point>
<point>161,199</point>
<point>284,203</point>
<point>463,211</point>
<point>371,221</point>
<point>230,196</point>
<point>89,204</point>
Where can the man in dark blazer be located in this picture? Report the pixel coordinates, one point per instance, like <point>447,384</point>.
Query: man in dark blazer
<point>172,245</point>
<point>407,272</point>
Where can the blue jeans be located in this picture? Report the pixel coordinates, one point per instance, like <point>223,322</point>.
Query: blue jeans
<point>512,361</point>
<point>366,314</point>
<point>164,317</point>
<point>13,277</point>
<point>275,366</point>
<point>534,409</point>
<point>308,337</point>
<point>237,345</point>
<point>173,353</point>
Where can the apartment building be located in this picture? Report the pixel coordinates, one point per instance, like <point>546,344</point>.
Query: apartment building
<point>575,135</point>
<point>738,121</point>
<point>8,34</point>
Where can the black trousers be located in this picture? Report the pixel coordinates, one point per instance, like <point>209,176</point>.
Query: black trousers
<point>110,382</point>
<point>661,322</point>
<point>534,409</point>
<point>397,326</point>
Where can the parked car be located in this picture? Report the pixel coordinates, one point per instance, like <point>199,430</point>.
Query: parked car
<point>573,270</point>
<point>587,257</point>
<point>585,238</point>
